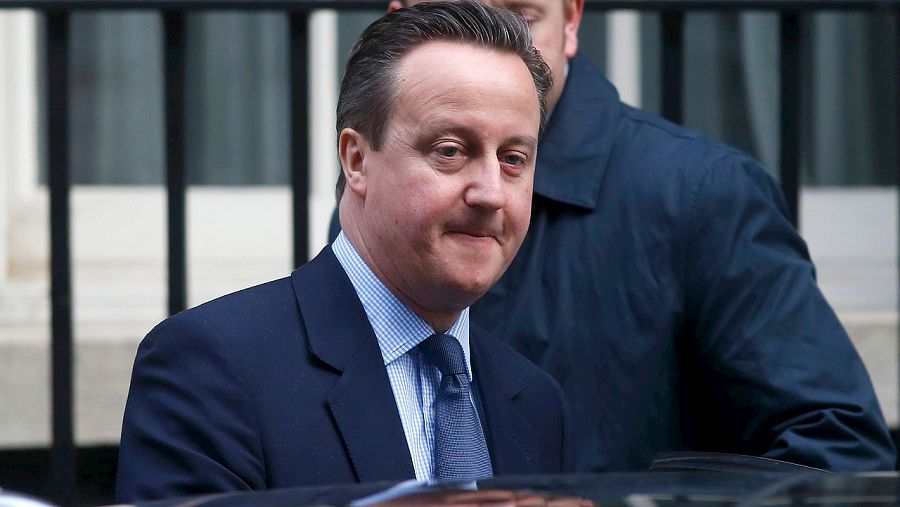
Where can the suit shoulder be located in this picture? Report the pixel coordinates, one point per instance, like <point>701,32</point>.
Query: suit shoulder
<point>643,136</point>
<point>242,304</point>
<point>675,168</point>
<point>245,313</point>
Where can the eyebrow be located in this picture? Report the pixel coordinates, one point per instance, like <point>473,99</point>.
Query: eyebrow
<point>468,132</point>
<point>526,140</point>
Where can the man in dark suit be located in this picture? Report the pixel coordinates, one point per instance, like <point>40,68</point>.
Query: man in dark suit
<point>360,365</point>
<point>663,285</point>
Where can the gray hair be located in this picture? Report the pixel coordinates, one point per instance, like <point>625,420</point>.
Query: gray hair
<point>368,89</point>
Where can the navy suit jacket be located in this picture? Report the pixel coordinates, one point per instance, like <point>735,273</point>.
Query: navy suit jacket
<point>283,384</point>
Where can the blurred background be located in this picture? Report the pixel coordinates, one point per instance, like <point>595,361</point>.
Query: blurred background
<point>237,159</point>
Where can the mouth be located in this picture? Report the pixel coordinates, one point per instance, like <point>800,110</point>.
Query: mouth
<point>474,235</point>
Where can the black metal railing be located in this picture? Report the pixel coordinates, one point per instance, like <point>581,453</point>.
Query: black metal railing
<point>57,15</point>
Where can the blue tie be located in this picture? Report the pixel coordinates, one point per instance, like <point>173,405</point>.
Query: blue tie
<point>460,451</point>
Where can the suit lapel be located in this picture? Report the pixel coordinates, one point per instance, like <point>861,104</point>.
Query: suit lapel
<point>361,402</point>
<point>502,386</point>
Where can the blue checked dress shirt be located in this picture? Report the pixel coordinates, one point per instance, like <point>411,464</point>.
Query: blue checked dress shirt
<point>414,380</point>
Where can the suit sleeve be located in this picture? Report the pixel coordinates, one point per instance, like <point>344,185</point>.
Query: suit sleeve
<point>189,426</point>
<point>770,353</point>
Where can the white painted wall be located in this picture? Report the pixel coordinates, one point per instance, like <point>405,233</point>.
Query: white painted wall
<point>18,124</point>
<point>623,52</point>
<point>324,88</point>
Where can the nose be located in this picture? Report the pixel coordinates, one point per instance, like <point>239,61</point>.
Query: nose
<point>487,187</point>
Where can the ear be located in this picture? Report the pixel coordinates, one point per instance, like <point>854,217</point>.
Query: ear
<point>394,5</point>
<point>352,149</point>
<point>573,11</point>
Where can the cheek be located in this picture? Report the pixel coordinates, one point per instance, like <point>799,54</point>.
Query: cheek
<point>548,36</point>
<point>412,216</point>
<point>519,209</point>
<point>387,212</point>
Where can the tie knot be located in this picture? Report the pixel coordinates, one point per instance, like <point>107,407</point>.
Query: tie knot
<point>445,352</point>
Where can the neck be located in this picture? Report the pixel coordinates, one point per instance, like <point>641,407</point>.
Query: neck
<point>439,320</point>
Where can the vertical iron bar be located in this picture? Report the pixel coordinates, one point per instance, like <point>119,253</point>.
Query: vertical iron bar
<point>174,27</point>
<point>299,28</point>
<point>790,112</point>
<point>63,452</point>
<point>672,76</point>
<point>897,135</point>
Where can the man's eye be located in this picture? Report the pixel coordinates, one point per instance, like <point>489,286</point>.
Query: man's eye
<point>448,151</point>
<point>513,159</point>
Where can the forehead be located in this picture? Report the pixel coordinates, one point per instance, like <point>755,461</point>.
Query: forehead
<point>451,69</point>
<point>452,82</point>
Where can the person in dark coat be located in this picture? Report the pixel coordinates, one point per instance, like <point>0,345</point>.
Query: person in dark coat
<point>663,285</point>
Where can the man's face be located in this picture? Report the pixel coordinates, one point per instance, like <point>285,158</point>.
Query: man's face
<point>554,27</point>
<point>447,199</point>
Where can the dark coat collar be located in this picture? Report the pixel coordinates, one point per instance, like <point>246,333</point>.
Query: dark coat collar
<point>576,145</point>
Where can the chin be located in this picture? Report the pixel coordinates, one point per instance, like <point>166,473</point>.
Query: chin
<point>474,288</point>
<point>473,276</point>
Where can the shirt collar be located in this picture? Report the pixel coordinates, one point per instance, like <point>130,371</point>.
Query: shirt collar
<point>397,328</point>
<point>576,145</point>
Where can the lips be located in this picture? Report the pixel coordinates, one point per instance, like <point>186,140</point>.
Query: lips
<point>474,243</point>
<point>477,232</point>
